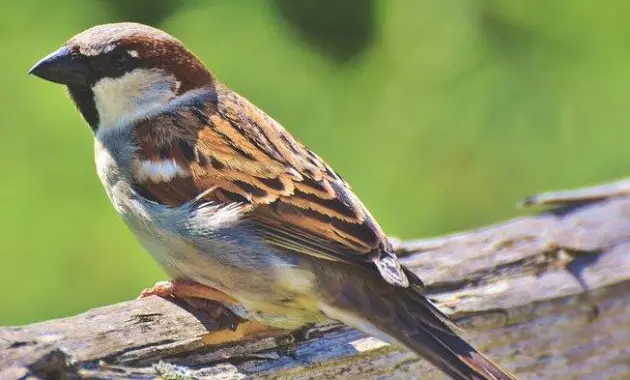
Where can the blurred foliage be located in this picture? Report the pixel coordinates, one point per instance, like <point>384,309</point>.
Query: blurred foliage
<point>442,114</point>
<point>149,12</point>
<point>342,29</point>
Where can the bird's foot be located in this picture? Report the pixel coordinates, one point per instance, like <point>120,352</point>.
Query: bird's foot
<point>185,289</point>
<point>213,301</point>
<point>198,296</point>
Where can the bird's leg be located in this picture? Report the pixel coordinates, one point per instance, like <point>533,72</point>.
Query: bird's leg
<point>187,289</point>
<point>199,296</point>
<point>213,302</point>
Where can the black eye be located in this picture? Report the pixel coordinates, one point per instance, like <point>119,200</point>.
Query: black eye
<point>120,59</point>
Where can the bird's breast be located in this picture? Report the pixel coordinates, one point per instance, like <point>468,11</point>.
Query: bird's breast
<point>212,245</point>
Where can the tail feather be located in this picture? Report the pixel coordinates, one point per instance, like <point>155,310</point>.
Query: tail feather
<point>414,322</point>
<point>452,355</point>
<point>457,358</point>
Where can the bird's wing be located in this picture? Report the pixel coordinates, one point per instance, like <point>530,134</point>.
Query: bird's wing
<point>226,148</point>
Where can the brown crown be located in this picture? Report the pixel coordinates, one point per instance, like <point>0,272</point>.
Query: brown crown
<point>154,48</point>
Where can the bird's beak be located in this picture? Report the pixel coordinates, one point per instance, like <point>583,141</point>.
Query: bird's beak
<point>62,67</point>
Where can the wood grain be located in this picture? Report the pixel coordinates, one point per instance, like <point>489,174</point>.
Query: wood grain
<point>547,296</point>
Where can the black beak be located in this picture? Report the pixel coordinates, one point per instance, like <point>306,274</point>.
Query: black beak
<point>62,67</point>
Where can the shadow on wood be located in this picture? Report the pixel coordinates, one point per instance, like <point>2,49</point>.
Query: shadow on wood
<point>546,296</point>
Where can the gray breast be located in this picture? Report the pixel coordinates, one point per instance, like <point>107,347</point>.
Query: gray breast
<point>212,244</point>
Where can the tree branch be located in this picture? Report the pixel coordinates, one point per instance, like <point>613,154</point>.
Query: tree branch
<point>546,296</point>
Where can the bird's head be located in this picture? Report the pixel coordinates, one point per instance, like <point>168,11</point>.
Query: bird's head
<point>116,73</point>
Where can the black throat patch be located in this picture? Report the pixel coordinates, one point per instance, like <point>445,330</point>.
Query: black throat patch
<point>83,98</point>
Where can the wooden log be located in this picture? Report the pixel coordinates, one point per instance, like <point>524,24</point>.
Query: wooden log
<point>547,296</point>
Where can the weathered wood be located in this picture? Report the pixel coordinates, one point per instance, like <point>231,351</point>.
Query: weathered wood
<point>547,296</point>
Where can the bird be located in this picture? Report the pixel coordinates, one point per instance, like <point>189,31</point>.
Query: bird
<point>233,207</point>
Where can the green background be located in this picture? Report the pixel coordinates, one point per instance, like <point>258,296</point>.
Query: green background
<point>442,114</point>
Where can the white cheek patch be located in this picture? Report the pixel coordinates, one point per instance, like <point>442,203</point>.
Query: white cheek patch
<point>131,97</point>
<point>158,171</point>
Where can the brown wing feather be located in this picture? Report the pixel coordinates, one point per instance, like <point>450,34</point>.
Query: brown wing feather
<point>234,148</point>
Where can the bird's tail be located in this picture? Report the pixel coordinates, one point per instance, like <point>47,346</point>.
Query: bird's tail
<point>408,318</point>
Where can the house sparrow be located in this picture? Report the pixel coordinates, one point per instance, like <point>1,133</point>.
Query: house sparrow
<point>233,207</point>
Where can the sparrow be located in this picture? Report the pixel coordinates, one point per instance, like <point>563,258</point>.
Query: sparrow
<point>233,207</point>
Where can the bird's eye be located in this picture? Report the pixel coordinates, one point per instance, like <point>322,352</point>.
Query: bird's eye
<point>120,59</point>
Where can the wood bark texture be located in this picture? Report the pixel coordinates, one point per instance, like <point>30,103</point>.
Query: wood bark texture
<point>547,296</point>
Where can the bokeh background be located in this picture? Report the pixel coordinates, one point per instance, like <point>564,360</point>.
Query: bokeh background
<point>442,114</point>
